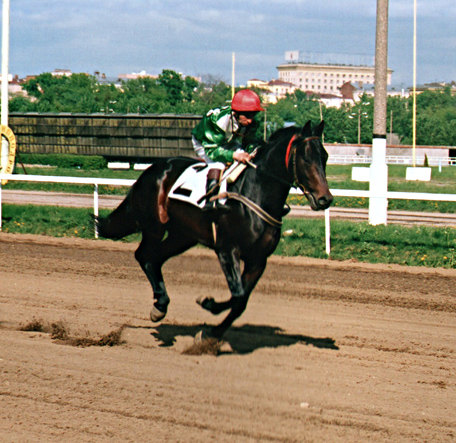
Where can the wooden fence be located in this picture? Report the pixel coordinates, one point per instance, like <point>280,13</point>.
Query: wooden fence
<point>121,137</point>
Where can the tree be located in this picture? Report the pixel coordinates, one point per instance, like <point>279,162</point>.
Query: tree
<point>210,95</point>
<point>171,93</point>
<point>20,104</point>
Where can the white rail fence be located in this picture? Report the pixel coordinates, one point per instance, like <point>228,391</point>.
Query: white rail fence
<point>71,180</point>
<point>123,182</point>
<point>342,159</point>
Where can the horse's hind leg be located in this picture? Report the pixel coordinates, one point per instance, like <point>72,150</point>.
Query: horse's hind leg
<point>147,257</point>
<point>151,254</point>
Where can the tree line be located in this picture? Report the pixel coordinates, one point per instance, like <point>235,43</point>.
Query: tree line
<point>172,93</point>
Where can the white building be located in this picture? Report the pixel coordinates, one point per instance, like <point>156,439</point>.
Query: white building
<point>61,73</point>
<point>276,89</point>
<point>136,75</point>
<point>327,79</point>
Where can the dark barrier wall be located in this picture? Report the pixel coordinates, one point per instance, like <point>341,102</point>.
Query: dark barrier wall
<point>123,137</point>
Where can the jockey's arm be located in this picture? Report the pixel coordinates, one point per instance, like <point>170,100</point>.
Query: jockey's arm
<point>242,156</point>
<point>226,155</point>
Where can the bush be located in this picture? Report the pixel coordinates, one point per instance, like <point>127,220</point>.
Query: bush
<point>65,160</point>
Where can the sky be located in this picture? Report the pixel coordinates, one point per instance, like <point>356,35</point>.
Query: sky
<point>198,37</point>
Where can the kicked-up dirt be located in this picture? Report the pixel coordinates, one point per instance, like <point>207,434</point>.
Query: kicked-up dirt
<point>326,351</point>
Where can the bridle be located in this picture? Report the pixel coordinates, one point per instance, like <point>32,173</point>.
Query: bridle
<point>291,155</point>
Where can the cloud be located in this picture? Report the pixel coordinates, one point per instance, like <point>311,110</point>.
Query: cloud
<point>199,37</point>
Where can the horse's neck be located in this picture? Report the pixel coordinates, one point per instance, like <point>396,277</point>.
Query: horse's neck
<point>268,184</point>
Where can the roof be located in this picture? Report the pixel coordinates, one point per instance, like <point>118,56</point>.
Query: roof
<point>281,83</point>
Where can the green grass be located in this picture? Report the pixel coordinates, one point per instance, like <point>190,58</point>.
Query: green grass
<point>339,177</point>
<point>48,220</point>
<point>413,246</point>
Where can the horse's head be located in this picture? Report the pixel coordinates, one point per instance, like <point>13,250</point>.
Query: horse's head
<point>306,162</point>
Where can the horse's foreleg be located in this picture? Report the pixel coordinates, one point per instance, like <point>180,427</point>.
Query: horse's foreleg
<point>250,276</point>
<point>240,287</point>
<point>230,265</point>
<point>214,307</point>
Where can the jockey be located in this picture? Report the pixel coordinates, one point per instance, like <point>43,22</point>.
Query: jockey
<point>223,134</point>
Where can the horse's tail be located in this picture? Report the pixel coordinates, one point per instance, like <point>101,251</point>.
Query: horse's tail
<point>119,223</point>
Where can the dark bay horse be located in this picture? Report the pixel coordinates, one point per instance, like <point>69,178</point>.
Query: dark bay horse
<point>248,232</point>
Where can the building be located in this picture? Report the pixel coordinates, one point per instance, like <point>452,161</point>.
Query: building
<point>435,86</point>
<point>256,83</point>
<point>327,78</point>
<point>61,73</point>
<point>135,76</point>
<point>281,88</point>
<point>274,89</point>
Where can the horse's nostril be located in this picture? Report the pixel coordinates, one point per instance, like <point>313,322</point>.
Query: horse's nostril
<point>325,201</point>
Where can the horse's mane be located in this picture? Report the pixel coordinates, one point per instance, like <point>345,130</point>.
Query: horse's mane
<point>282,133</point>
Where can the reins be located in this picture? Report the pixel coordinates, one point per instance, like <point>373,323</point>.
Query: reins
<point>251,205</point>
<point>290,155</point>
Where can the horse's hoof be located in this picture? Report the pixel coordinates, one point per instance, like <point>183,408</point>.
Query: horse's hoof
<point>201,300</point>
<point>203,337</point>
<point>156,314</point>
<point>205,302</point>
<point>198,338</point>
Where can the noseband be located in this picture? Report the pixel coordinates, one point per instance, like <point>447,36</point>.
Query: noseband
<point>291,155</point>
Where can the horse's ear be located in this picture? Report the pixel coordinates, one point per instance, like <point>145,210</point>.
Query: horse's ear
<point>306,130</point>
<point>318,131</point>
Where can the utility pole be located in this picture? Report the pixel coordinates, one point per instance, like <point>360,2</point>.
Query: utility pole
<point>233,61</point>
<point>378,202</point>
<point>359,126</point>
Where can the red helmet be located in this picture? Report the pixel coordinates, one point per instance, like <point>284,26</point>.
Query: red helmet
<point>246,100</point>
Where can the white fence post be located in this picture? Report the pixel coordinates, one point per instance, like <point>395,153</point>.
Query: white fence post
<point>327,231</point>
<point>95,208</point>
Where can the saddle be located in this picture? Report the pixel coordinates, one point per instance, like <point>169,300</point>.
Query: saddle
<point>190,187</point>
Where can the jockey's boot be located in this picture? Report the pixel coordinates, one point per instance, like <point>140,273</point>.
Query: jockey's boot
<point>213,188</point>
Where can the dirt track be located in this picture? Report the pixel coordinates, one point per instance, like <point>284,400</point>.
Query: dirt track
<point>326,351</point>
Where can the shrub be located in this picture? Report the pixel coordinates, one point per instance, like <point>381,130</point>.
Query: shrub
<point>65,160</point>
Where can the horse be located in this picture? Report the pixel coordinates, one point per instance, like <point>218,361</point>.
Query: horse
<point>247,232</point>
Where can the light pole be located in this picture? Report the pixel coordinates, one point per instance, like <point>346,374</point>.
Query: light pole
<point>4,92</point>
<point>359,114</point>
<point>391,126</point>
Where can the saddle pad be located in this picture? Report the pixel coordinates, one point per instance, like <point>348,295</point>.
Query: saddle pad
<point>191,184</point>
